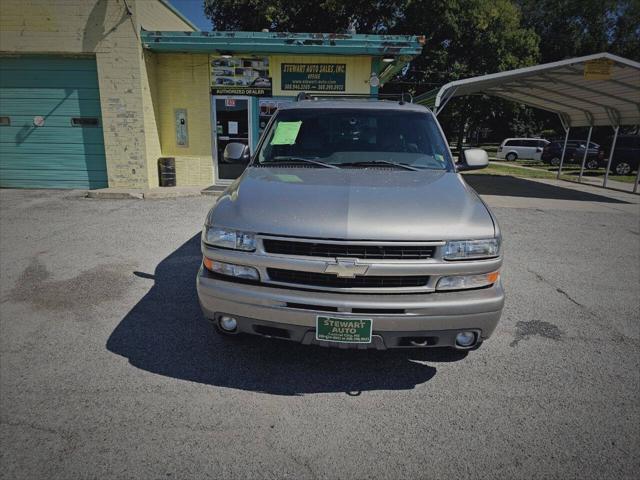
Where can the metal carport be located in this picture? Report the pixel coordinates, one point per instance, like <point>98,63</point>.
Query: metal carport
<point>594,90</point>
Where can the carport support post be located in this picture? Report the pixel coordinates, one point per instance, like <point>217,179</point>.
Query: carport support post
<point>613,148</point>
<point>564,150</point>
<point>586,151</point>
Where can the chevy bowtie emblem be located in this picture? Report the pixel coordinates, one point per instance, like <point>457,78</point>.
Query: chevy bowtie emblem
<point>346,267</point>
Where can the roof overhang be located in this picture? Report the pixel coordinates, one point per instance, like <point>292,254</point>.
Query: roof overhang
<point>599,89</point>
<point>401,47</point>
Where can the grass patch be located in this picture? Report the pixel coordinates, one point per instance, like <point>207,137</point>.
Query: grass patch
<point>574,174</point>
<point>512,171</point>
<point>569,171</point>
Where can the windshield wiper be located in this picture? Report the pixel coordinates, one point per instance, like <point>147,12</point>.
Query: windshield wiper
<point>298,159</point>
<point>373,163</point>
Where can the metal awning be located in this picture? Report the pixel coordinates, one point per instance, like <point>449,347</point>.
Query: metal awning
<point>594,90</point>
<point>404,47</point>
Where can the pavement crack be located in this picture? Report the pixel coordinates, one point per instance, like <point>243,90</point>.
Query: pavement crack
<point>559,290</point>
<point>571,299</point>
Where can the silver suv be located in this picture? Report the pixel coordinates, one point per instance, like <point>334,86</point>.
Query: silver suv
<point>351,227</point>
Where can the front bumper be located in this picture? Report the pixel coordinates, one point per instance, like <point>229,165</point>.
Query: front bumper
<point>399,320</point>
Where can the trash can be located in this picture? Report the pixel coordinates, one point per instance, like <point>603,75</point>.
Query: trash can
<point>167,171</point>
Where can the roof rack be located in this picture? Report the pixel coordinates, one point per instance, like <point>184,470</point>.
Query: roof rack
<point>401,97</point>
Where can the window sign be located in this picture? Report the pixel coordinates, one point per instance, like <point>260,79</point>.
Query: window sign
<point>240,76</point>
<point>286,133</point>
<point>320,77</point>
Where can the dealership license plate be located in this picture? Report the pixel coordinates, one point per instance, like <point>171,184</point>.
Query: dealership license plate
<point>344,330</point>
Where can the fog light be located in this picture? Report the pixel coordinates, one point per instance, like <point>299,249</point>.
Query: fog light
<point>465,339</point>
<point>228,324</point>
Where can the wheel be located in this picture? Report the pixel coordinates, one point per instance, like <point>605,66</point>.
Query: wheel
<point>555,161</point>
<point>512,157</point>
<point>592,164</point>
<point>622,168</point>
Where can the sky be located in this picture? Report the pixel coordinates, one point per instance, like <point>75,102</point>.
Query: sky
<point>194,11</point>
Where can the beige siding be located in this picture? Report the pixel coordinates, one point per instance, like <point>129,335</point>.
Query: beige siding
<point>155,15</point>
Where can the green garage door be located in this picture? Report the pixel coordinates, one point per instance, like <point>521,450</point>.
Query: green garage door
<point>50,123</point>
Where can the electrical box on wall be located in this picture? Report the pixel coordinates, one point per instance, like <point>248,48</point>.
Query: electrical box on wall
<point>182,133</point>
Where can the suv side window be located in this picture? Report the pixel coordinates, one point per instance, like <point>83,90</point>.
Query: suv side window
<point>511,143</point>
<point>624,141</point>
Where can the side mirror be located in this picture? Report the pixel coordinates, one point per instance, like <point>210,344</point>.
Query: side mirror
<point>236,153</point>
<point>473,159</point>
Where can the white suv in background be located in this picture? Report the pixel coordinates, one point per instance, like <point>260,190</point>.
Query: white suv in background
<point>525,148</point>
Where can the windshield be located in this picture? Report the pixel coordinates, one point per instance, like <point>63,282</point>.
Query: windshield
<point>355,137</point>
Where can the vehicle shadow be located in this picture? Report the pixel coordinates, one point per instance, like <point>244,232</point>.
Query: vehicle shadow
<point>504,185</point>
<point>165,333</point>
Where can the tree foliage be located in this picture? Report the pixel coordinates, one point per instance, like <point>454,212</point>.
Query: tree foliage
<point>304,15</point>
<point>570,28</point>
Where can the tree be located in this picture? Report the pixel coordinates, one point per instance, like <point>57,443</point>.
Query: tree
<point>370,16</point>
<point>466,38</point>
<point>571,28</point>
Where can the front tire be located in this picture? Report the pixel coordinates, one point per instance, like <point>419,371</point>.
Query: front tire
<point>511,157</point>
<point>622,168</point>
<point>555,162</point>
<point>592,164</point>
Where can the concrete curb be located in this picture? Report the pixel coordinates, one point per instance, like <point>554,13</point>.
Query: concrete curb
<point>114,195</point>
<point>148,194</point>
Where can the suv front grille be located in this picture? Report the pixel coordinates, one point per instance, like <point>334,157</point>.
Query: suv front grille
<point>330,280</point>
<point>342,250</point>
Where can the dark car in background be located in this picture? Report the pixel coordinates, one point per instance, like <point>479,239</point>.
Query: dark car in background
<point>552,153</point>
<point>626,155</point>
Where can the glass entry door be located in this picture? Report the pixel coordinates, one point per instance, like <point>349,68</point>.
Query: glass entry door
<point>232,124</point>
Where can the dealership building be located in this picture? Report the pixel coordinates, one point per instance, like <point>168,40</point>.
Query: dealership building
<point>95,93</point>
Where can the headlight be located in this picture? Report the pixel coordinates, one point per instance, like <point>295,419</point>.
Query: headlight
<point>472,249</point>
<point>464,282</point>
<point>226,238</point>
<point>231,270</point>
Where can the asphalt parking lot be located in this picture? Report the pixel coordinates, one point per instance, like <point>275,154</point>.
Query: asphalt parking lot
<point>108,369</point>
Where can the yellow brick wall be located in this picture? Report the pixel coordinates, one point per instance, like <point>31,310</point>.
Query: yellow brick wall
<point>105,29</point>
<point>356,80</point>
<point>183,82</point>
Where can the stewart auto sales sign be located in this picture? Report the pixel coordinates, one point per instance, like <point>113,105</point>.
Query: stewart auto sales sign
<point>313,77</point>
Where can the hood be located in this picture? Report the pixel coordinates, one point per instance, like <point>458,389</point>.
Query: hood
<point>354,204</point>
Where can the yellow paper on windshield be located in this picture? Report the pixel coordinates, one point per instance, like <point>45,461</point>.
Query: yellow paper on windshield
<point>286,133</point>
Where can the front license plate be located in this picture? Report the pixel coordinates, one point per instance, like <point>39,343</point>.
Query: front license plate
<point>344,330</point>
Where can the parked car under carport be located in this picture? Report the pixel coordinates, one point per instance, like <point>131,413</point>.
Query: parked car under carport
<point>552,153</point>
